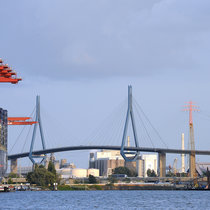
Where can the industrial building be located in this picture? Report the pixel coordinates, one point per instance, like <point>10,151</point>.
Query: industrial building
<point>201,168</point>
<point>3,142</point>
<point>24,170</point>
<point>140,167</point>
<point>58,164</point>
<point>145,162</point>
<point>66,173</point>
<point>107,160</point>
<point>68,170</point>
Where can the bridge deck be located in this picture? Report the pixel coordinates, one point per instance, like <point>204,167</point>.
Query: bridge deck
<point>142,149</point>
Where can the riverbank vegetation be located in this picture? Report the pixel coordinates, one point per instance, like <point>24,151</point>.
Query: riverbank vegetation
<point>124,170</point>
<point>79,187</point>
<point>43,177</point>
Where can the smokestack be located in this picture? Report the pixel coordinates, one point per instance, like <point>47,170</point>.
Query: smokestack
<point>128,141</point>
<point>183,165</point>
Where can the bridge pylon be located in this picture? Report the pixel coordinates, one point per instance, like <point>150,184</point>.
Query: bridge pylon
<point>129,155</point>
<point>39,123</point>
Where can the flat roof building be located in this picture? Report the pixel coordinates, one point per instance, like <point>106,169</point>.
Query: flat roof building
<point>145,162</point>
<point>106,161</point>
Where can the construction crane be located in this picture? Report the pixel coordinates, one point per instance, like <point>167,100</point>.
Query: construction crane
<point>175,166</point>
<point>192,163</point>
<point>7,74</point>
<point>20,121</point>
<point>10,76</point>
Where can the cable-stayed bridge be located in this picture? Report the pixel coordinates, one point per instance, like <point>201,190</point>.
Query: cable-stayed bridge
<point>128,152</point>
<point>93,147</point>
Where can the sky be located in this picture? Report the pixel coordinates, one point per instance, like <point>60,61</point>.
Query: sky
<point>80,56</point>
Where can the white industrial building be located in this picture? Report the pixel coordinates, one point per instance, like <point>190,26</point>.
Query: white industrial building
<point>66,173</point>
<point>111,154</point>
<point>106,161</point>
<point>145,162</point>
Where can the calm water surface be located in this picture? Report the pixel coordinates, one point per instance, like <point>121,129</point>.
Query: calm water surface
<point>106,200</point>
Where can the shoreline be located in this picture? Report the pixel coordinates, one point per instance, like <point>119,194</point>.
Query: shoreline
<point>124,187</point>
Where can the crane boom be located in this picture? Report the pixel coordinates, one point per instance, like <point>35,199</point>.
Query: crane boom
<point>20,121</point>
<point>7,74</point>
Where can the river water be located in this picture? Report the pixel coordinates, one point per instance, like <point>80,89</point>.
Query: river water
<point>106,200</point>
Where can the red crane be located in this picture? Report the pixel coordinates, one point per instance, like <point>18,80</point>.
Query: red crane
<point>20,121</point>
<point>7,74</point>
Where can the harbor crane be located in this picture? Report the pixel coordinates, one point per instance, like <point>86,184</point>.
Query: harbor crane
<point>7,75</point>
<point>20,121</point>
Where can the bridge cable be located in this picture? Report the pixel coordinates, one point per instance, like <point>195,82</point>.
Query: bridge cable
<point>21,132</point>
<point>111,130</point>
<point>102,128</point>
<point>143,136</point>
<point>50,140</point>
<point>26,138</point>
<point>150,123</point>
<point>146,135</point>
<point>205,116</point>
<point>116,132</point>
<point>144,126</point>
<point>121,127</point>
<point>55,122</point>
<point>17,139</point>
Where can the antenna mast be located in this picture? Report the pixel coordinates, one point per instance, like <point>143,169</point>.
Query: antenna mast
<point>191,107</point>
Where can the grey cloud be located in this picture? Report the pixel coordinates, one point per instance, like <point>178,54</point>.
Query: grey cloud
<point>71,39</point>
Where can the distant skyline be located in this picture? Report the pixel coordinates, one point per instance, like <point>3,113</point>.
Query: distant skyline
<point>80,56</point>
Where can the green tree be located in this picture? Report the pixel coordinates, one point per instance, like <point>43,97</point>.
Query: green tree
<point>77,181</point>
<point>183,174</point>
<point>92,179</point>
<point>41,176</point>
<point>127,180</point>
<point>124,170</point>
<point>10,181</point>
<point>151,173</point>
<point>170,174</point>
<point>51,168</point>
<point>13,175</point>
<point>112,180</point>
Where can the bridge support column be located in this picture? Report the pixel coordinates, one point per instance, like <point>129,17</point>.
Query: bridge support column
<point>38,119</point>
<point>129,156</point>
<point>192,165</point>
<point>13,167</point>
<point>162,164</point>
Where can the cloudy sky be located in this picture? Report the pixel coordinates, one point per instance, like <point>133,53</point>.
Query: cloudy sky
<point>80,56</point>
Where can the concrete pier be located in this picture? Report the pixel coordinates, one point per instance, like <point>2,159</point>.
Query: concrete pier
<point>192,165</point>
<point>13,166</point>
<point>162,164</point>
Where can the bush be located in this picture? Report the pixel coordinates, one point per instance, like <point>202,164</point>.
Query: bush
<point>95,187</point>
<point>13,175</point>
<point>124,170</point>
<point>92,179</point>
<point>41,177</point>
<point>64,187</point>
<point>112,180</point>
<point>127,180</point>
<point>10,181</point>
<point>77,181</point>
<point>170,174</point>
<point>151,173</point>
